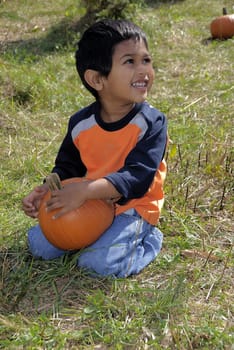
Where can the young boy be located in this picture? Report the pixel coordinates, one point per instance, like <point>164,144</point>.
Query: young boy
<point>118,143</point>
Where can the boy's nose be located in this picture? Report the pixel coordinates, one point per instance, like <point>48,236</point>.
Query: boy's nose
<point>143,72</point>
<point>143,68</point>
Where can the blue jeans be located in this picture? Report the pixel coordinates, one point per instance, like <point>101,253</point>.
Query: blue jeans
<point>124,249</point>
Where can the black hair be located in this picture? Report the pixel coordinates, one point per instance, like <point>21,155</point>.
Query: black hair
<point>96,46</point>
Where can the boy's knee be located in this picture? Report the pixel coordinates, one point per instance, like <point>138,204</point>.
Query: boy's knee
<point>40,247</point>
<point>96,262</point>
<point>122,260</point>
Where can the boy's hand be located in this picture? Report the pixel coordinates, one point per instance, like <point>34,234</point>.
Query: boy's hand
<point>31,203</point>
<point>70,197</point>
<point>73,195</point>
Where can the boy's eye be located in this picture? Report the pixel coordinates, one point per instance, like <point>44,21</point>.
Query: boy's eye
<point>147,60</point>
<point>129,61</point>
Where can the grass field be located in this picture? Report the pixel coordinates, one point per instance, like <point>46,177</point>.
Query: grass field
<point>184,300</point>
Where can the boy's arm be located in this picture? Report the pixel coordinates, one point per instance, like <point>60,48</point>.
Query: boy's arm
<point>73,195</point>
<point>135,177</point>
<point>68,162</point>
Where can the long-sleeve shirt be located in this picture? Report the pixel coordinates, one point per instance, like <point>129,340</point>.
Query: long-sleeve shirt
<point>129,153</point>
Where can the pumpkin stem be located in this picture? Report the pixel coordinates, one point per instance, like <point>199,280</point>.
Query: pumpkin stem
<point>53,182</point>
<point>224,11</point>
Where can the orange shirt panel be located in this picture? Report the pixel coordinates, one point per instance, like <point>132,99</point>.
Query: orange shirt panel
<point>104,152</point>
<point>150,205</point>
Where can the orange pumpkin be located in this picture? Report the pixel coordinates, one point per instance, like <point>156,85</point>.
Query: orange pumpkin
<point>222,27</point>
<point>78,228</point>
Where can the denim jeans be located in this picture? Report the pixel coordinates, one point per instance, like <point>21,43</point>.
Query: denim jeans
<point>124,249</point>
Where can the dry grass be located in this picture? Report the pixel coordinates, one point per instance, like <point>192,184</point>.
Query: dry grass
<point>184,300</point>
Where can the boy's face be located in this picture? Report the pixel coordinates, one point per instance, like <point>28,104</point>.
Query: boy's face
<point>132,73</point>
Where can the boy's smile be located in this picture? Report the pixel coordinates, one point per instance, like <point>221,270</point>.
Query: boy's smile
<point>141,85</point>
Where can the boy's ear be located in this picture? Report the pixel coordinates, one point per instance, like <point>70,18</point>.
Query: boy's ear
<point>94,79</point>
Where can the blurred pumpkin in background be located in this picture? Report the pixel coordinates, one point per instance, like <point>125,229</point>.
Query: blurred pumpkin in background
<point>222,27</point>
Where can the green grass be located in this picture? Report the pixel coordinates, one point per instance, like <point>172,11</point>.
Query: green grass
<point>180,301</point>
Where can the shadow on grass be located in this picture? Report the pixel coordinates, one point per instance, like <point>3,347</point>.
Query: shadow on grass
<point>33,286</point>
<point>211,40</point>
<point>60,37</point>
<point>157,3</point>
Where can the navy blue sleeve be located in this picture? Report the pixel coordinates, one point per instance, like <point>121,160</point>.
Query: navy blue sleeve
<point>135,177</point>
<point>68,162</point>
